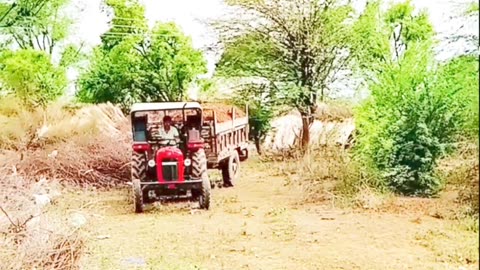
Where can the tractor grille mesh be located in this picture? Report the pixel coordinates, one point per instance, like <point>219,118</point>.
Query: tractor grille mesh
<point>170,171</point>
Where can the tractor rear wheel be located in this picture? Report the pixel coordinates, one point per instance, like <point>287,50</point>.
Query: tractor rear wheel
<point>139,171</point>
<point>230,170</point>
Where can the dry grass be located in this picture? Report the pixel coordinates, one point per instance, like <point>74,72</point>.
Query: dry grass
<point>326,173</point>
<point>461,173</point>
<point>335,111</point>
<point>331,174</point>
<point>89,145</point>
<point>451,245</point>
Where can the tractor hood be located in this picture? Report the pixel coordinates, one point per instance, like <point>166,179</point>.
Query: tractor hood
<point>169,152</point>
<point>170,164</point>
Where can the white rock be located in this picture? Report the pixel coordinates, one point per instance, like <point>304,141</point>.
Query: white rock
<point>33,224</point>
<point>77,220</point>
<point>102,237</point>
<point>53,154</point>
<point>54,193</point>
<point>41,132</point>
<point>41,200</point>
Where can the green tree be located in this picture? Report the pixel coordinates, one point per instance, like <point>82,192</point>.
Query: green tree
<point>298,46</point>
<point>158,65</point>
<point>112,76</point>
<point>170,63</point>
<point>416,108</point>
<point>30,75</point>
<point>34,24</point>
<point>377,31</point>
<point>129,20</point>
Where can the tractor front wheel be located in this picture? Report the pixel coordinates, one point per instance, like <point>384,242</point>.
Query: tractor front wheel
<point>139,167</point>
<point>204,198</point>
<point>138,196</point>
<point>199,171</point>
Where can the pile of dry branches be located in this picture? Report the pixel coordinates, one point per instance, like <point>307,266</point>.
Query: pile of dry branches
<point>87,146</point>
<point>101,162</point>
<point>29,239</point>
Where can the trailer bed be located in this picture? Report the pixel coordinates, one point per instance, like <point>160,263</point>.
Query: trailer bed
<point>222,139</point>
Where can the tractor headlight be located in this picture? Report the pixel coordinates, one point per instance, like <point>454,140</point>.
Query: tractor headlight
<point>187,162</point>
<point>151,163</point>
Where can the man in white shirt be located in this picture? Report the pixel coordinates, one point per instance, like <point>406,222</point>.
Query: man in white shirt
<point>168,132</point>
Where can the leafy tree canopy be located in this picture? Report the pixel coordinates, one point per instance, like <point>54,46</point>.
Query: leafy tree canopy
<point>157,65</point>
<point>298,46</point>
<point>30,75</point>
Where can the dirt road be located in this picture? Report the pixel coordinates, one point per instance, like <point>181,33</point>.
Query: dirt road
<point>259,224</point>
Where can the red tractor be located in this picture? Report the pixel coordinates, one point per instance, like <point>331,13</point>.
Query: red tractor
<point>164,167</point>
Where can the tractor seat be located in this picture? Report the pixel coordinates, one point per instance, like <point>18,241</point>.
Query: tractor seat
<point>192,120</point>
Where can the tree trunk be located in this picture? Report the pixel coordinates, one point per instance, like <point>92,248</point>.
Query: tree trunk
<point>258,145</point>
<point>306,122</point>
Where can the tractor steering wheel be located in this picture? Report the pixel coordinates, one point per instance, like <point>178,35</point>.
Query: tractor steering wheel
<point>168,142</point>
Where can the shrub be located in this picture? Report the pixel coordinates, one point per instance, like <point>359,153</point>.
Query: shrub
<point>410,121</point>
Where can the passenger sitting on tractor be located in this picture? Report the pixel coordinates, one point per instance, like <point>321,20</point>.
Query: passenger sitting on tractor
<point>168,132</point>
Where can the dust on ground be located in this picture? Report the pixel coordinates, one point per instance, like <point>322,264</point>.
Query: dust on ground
<point>260,224</point>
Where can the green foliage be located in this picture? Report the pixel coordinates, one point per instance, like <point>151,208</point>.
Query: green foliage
<point>374,47</point>
<point>170,63</point>
<point>129,20</point>
<point>71,56</point>
<point>298,46</point>
<point>413,28</point>
<point>252,55</point>
<point>261,109</point>
<point>410,122</point>
<point>30,75</point>
<point>375,31</point>
<point>462,74</point>
<point>417,108</point>
<point>112,76</point>
<point>299,53</point>
<point>33,24</point>
<point>158,65</point>
<point>473,8</point>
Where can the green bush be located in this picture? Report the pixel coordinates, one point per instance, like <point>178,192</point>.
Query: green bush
<point>410,121</point>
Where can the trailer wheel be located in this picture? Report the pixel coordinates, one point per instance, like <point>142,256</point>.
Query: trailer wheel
<point>230,169</point>
<point>138,172</point>
<point>244,155</point>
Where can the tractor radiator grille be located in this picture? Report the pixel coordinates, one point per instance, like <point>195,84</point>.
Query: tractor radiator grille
<point>170,171</point>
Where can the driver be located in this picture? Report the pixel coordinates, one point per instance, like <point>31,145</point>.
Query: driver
<point>169,132</point>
